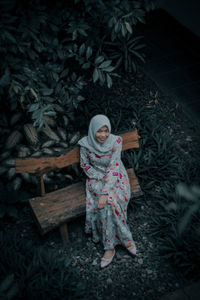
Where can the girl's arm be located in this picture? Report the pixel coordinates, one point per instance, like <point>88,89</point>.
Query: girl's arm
<point>112,172</point>
<point>87,168</point>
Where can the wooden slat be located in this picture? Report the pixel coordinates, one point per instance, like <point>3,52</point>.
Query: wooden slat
<point>45,164</point>
<point>60,206</point>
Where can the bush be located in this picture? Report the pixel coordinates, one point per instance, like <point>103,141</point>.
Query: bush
<point>31,272</point>
<point>51,53</point>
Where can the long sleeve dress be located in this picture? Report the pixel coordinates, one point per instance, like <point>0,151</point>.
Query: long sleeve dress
<point>106,174</point>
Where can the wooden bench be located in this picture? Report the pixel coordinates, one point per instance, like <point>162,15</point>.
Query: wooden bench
<point>56,208</point>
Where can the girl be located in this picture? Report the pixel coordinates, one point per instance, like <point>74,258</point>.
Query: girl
<point>107,188</point>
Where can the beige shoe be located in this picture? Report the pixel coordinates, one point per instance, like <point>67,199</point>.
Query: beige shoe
<point>106,261</point>
<point>132,249</point>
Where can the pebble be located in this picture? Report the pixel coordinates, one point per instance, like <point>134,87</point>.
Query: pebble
<point>140,261</point>
<point>126,256</point>
<point>82,262</point>
<point>94,263</point>
<point>109,281</point>
<point>118,255</point>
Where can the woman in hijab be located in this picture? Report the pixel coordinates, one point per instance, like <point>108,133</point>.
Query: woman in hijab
<point>107,188</point>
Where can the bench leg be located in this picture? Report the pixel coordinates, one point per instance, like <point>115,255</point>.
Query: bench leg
<point>64,233</point>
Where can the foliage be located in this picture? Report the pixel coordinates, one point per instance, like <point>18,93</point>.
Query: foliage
<point>189,207</point>
<point>31,272</point>
<point>9,202</point>
<point>51,52</point>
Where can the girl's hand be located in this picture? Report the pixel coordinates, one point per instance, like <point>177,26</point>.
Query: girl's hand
<point>102,201</point>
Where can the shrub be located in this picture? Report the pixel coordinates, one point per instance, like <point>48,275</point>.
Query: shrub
<point>51,53</point>
<point>31,272</point>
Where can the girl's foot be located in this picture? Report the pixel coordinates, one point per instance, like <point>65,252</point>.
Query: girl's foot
<point>107,258</point>
<point>132,249</point>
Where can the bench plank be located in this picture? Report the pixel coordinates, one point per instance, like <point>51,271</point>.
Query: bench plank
<point>45,164</point>
<point>63,205</point>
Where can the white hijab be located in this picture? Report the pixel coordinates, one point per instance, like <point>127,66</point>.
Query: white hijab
<point>90,141</point>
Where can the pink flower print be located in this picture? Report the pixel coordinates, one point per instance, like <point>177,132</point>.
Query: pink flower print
<point>109,155</point>
<point>107,172</point>
<point>84,164</point>
<point>110,197</point>
<point>117,164</point>
<point>115,173</point>
<point>87,168</point>
<point>97,156</point>
<point>117,180</point>
<point>120,176</point>
<point>118,141</point>
<point>125,199</point>
<point>88,203</point>
<point>116,211</point>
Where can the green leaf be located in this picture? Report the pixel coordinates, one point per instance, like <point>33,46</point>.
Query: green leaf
<point>105,64</point>
<point>82,32</point>
<point>46,92</point>
<point>109,80</point>
<point>95,75</point>
<point>117,27</point>
<point>55,76</point>
<point>86,65</point>
<point>74,35</point>
<point>80,98</point>
<point>33,107</point>
<point>139,47</point>
<point>10,37</point>
<point>111,22</point>
<point>50,113</point>
<point>5,79</point>
<point>73,77</point>
<point>124,30</point>
<point>101,76</point>
<point>82,49</point>
<point>138,55</point>
<point>88,52</point>
<point>134,66</point>
<point>6,283</point>
<point>108,69</point>
<point>128,27</point>
<point>64,73</point>
<point>99,59</point>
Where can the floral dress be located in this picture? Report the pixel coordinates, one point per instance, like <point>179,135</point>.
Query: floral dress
<point>106,174</point>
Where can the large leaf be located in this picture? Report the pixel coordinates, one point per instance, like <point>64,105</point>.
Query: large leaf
<point>46,92</point>
<point>88,52</point>
<point>105,64</point>
<point>109,80</point>
<point>95,75</point>
<point>99,59</point>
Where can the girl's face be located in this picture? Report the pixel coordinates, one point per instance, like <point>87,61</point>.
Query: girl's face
<point>102,134</point>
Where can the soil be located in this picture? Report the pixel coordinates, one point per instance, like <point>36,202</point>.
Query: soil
<point>147,275</point>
